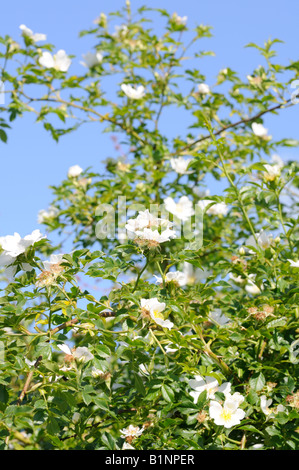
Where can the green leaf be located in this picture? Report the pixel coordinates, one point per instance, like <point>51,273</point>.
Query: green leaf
<point>52,426</point>
<point>3,136</point>
<point>257,382</point>
<point>167,393</point>
<point>3,394</point>
<point>139,384</point>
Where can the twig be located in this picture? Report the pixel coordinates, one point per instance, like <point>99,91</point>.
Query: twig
<point>28,380</point>
<point>231,126</point>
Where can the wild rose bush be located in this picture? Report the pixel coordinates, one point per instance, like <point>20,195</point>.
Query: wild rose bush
<point>193,346</point>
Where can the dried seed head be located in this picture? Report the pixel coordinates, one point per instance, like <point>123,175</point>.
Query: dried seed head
<point>252,310</point>
<point>201,417</point>
<point>293,400</point>
<point>268,309</point>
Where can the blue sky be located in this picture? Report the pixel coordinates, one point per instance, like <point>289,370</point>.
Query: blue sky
<point>31,161</point>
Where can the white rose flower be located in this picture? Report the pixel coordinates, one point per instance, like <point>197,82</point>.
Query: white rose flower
<point>96,373</point>
<point>52,269</point>
<point>54,263</point>
<point>194,275</point>
<point>203,89</point>
<point>218,209</point>
<point>181,20</point>
<point>143,369</point>
<point>59,61</point>
<point>176,276</point>
<point>180,165</point>
<point>133,93</point>
<point>33,238</point>
<point>91,59</point>
<point>14,245</point>
<point>229,414</point>
<point>155,309</point>
<point>145,220</point>
<point>44,214</point>
<point>210,384</point>
<point>265,404</point>
<point>272,172</point>
<point>132,431</point>
<point>251,287</point>
<point>26,32</point>
<point>264,240</point>
<point>259,130</point>
<point>74,171</point>
<point>183,209</point>
<point>155,236</point>
<point>82,354</point>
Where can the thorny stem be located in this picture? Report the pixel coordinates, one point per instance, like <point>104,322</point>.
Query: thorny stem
<point>157,341</point>
<point>232,126</point>
<point>101,117</point>
<point>140,274</point>
<point>207,350</point>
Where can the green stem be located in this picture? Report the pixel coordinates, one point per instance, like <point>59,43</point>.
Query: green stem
<point>140,274</point>
<point>161,272</point>
<point>157,341</point>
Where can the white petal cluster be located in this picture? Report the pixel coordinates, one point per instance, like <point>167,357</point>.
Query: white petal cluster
<point>273,171</point>
<point>132,92</point>
<point>203,89</point>
<point>225,414</point>
<point>180,165</point>
<point>145,227</point>
<point>294,264</point>
<point>54,262</point>
<point>155,308</point>
<point>45,214</point>
<point>177,277</point>
<point>180,20</point>
<point>59,61</point>
<point>97,373</point>
<point>194,275</point>
<point>229,414</point>
<point>81,354</point>
<point>13,246</point>
<point>264,240</point>
<point>35,37</point>
<point>259,130</point>
<point>91,59</point>
<point>208,383</point>
<point>218,209</point>
<point>265,404</point>
<point>183,209</point>
<point>251,287</point>
<point>52,269</point>
<point>132,431</point>
<point>74,171</point>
